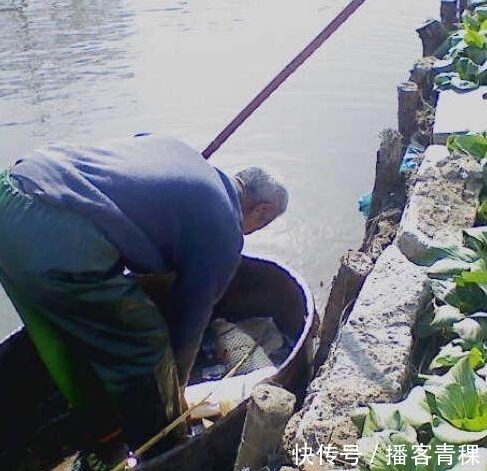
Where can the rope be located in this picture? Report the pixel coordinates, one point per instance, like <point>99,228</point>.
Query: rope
<point>282,76</point>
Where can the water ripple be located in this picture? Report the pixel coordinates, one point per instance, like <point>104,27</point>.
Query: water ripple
<point>44,46</point>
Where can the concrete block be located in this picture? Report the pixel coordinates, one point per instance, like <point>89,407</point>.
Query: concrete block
<point>370,360</point>
<point>459,113</point>
<point>443,201</point>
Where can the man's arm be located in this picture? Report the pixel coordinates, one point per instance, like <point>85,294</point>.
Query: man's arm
<point>196,293</point>
<point>202,280</point>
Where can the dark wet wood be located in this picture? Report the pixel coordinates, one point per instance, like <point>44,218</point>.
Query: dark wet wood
<point>354,268</point>
<point>422,75</point>
<point>449,13</point>
<point>433,34</point>
<point>408,105</point>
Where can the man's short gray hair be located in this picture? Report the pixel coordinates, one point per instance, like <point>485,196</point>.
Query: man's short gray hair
<point>260,187</point>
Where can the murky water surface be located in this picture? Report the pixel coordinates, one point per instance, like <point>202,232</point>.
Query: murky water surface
<point>84,70</point>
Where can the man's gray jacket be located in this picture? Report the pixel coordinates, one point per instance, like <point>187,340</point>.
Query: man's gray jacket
<point>159,203</point>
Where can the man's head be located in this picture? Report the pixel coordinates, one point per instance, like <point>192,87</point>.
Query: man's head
<point>262,198</point>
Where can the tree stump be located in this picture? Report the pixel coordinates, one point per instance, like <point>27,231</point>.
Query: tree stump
<point>268,412</point>
<point>433,34</point>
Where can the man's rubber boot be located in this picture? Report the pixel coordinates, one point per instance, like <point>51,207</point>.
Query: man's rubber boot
<point>143,415</point>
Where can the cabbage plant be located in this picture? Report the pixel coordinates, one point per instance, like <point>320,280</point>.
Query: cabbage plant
<point>467,53</point>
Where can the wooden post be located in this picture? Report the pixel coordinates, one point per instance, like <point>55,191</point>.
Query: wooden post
<point>388,195</point>
<point>448,12</point>
<point>433,34</point>
<point>268,412</point>
<point>422,75</point>
<point>354,268</point>
<point>408,104</point>
<point>387,176</point>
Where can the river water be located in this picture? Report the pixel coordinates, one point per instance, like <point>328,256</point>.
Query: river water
<point>84,70</point>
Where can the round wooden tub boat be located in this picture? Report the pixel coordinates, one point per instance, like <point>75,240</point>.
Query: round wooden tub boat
<point>29,399</point>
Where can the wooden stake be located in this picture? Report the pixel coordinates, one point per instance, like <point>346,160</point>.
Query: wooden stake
<point>408,104</point>
<point>354,268</point>
<point>422,75</point>
<point>388,180</point>
<point>433,34</point>
<point>448,12</point>
<point>268,412</point>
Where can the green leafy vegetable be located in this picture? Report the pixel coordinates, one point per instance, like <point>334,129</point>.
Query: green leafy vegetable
<point>447,433</point>
<point>448,355</point>
<point>447,268</point>
<point>481,464</point>
<point>377,449</point>
<point>457,349</point>
<point>473,37</point>
<point>475,238</point>
<point>472,329</point>
<point>467,297</point>
<point>474,144</point>
<point>444,317</point>
<point>458,401</point>
<point>399,416</point>
<point>383,451</point>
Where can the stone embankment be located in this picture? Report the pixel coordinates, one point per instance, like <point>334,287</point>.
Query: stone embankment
<point>367,345</point>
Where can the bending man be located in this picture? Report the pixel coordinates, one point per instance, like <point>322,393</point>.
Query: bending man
<point>77,224</point>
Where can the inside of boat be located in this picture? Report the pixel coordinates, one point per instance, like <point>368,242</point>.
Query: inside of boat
<point>261,329</point>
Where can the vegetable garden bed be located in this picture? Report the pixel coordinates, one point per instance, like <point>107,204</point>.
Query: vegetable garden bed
<point>422,402</point>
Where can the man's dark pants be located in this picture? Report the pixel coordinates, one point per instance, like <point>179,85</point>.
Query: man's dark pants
<point>91,322</point>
